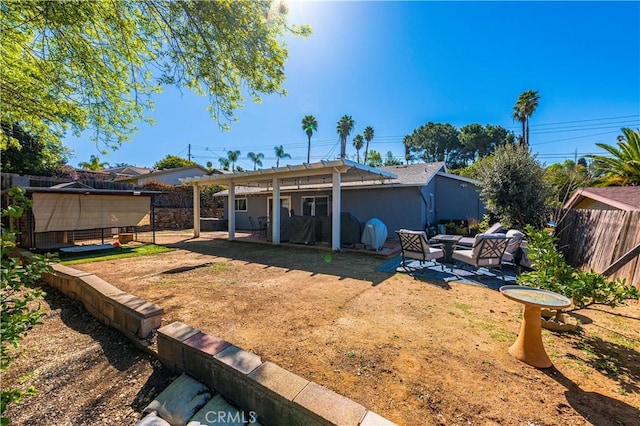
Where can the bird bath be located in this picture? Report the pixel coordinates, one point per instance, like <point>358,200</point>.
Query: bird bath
<point>528,347</point>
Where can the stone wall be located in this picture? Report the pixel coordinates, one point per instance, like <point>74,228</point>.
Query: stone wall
<point>181,218</point>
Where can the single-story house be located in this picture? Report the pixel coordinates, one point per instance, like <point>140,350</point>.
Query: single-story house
<point>405,196</point>
<point>625,198</point>
<point>168,176</point>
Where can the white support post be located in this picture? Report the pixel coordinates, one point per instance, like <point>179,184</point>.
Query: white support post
<point>232,211</point>
<point>275,214</point>
<point>335,211</point>
<point>196,211</point>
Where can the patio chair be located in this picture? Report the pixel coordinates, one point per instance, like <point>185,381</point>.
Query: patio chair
<point>255,229</point>
<point>263,223</point>
<point>414,245</point>
<point>510,256</point>
<point>487,251</point>
<point>496,228</point>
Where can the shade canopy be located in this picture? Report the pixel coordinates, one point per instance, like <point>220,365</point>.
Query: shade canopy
<point>77,211</point>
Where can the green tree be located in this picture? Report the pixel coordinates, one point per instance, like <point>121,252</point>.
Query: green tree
<point>408,157</point>
<point>512,183</point>
<point>523,109</point>
<point>173,162</point>
<point>256,159</point>
<point>233,157</point>
<point>390,160</point>
<point>623,167</point>
<point>309,125</point>
<point>95,65</point>
<point>19,297</point>
<point>434,142</point>
<point>368,136</point>
<point>31,155</point>
<point>224,163</point>
<point>375,159</point>
<point>563,179</point>
<point>479,141</point>
<point>358,143</point>
<point>280,154</point>
<point>344,128</point>
<point>94,163</point>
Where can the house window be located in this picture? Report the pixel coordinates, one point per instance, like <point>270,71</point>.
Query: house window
<point>284,202</point>
<point>241,204</point>
<point>315,206</point>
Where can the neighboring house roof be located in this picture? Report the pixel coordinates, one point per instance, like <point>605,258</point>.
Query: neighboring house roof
<point>130,170</point>
<point>620,197</point>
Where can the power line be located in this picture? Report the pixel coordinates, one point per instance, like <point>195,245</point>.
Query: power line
<point>589,119</point>
<point>570,129</point>
<point>573,138</point>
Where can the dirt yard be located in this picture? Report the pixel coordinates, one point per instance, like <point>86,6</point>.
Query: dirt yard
<point>415,351</point>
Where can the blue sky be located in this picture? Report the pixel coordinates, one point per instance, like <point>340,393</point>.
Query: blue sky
<point>398,65</point>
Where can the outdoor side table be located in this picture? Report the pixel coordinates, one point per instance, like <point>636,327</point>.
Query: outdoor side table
<point>528,347</point>
<point>447,241</point>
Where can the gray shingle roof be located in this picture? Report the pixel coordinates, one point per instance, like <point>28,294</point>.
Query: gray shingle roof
<point>414,174</point>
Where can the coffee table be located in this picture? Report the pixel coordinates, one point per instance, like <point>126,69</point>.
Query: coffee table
<point>447,241</point>
<point>528,347</point>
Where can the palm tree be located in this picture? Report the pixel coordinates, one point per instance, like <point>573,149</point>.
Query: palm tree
<point>358,143</point>
<point>368,136</point>
<point>224,163</point>
<point>623,169</point>
<point>93,164</point>
<point>280,154</point>
<point>523,109</point>
<point>309,125</point>
<point>233,157</point>
<point>256,159</point>
<point>345,125</point>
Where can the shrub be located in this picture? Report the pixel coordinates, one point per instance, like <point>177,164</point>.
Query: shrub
<point>19,306</point>
<point>552,272</point>
<point>513,186</point>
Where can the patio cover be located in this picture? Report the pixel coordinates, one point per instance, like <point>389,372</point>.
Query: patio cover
<point>306,174</point>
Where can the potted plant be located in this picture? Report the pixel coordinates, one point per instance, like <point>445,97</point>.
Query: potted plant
<point>473,227</point>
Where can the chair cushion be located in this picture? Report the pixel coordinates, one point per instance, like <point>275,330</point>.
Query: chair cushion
<point>478,237</point>
<point>465,256</point>
<point>516,238</point>
<point>496,228</point>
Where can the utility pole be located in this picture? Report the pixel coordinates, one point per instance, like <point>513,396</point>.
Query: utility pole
<point>189,153</point>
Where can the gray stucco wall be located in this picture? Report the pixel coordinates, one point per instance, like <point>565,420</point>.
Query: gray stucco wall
<point>395,207</point>
<point>401,207</point>
<point>457,200</point>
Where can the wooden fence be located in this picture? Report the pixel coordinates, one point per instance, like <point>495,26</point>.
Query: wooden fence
<point>595,239</point>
